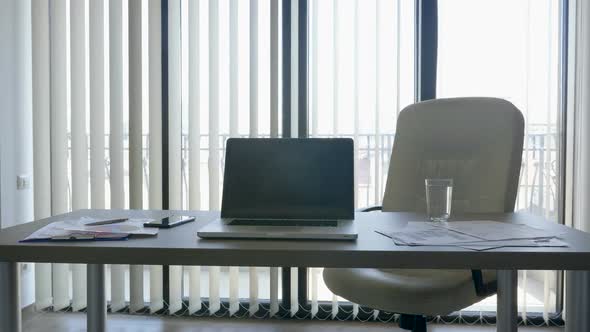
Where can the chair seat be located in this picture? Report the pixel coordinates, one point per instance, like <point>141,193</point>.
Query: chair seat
<point>419,292</point>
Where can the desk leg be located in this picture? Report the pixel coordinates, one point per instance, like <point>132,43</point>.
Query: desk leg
<point>507,312</point>
<point>97,304</point>
<point>10,310</point>
<point>577,297</point>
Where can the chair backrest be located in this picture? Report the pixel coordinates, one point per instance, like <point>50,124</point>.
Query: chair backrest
<point>475,141</point>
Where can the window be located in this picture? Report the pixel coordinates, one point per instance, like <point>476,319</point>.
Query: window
<point>512,50</point>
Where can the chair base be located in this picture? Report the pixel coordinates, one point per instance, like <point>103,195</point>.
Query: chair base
<point>414,323</point>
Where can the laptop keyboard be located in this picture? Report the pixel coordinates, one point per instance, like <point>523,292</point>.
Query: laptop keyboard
<point>291,223</point>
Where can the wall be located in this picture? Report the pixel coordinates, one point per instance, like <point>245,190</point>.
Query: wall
<point>16,206</point>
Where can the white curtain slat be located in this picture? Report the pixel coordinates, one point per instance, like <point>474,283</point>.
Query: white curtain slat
<point>214,299</point>
<point>552,8</point>
<point>377,176</point>
<point>79,14</point>
<point>194,106</point>
<point>97,102</point>
<point>155,136</point>
<point>155,104</point>
<point>233,69</point>
<point>314,68</point>
<point>294,68</point>
<point>214,274</point>
<point>79,144</point>
<point>194,288</point>
<point>355,310</point>
<point>274,69</point>
<point>253,304</point>
<point>117,287</point>
<point>294,304</point>
<point>213,105</point>
<point>336,67</point>
<point>356,100</point>
<point>253,132</point>
<point>314,291</point>
<point>116,178</point>
<point>334,306</point>
<point>174,136</point>
<point>59,140</point>
<point>135,105</point>
<point>194,141</point>
<point>41,137</point>
<point>294,295</point>
<point>546,295</point>
<point>174,106</point>
<point>156,291</point>
<point>79,300</point>
<point>274,290</point>
<point>234,276</point>
<point>523,286</point>
<point>175,304</point>
<point>253,68</point>
<point>213,162</point>
<point>136,299</point>
<point>43,295</point>
<point>234,287</point>
<point>116,104</point>
<point>61,285</point>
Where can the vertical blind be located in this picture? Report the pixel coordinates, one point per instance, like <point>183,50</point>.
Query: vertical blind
<point>99,115</point>
<point>362,74</point>
<point>523,64</point>
<point>362,63</point>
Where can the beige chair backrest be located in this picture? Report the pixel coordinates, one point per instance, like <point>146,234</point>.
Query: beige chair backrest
<point>475,141</point>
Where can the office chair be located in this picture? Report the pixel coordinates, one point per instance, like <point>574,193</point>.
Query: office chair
<point>478,143</point>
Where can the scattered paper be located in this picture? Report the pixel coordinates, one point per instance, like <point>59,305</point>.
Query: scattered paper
<point>494,230</point>
<point>130,226</point>
<point>474,235</point>
<point>421,233</point>
<point>481,246</point>
<point>76,229</point>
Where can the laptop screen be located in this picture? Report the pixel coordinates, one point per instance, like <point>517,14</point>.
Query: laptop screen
<point>311,178</point>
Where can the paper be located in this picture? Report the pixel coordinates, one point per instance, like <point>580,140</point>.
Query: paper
<point>474,235</point>
<point>130,226</point>
<point>75,229</point>
<point>493,230</point>
<point>487,245</point>
<point>426,234</point>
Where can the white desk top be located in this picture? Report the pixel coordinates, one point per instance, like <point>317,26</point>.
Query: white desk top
<point>181,246</point>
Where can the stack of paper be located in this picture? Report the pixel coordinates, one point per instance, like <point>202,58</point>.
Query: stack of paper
<point>77,229</point>
<point>475,235</point>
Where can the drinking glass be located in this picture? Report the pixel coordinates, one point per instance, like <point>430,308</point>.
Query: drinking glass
<point>439,196</point>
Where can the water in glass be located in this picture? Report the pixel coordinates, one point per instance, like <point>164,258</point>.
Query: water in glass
<point>439,196</point>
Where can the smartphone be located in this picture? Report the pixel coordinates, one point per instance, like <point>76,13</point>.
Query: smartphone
<point>169,222</point>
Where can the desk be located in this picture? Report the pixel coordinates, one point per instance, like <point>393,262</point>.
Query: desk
<point>180,246</point>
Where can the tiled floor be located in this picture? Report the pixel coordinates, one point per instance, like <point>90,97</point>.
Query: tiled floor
<point>76,322</point>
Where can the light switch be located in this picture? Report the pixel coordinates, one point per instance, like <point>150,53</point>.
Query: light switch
<point>23,182</point>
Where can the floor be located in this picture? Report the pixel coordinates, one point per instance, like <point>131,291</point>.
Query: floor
<point>76,322</point>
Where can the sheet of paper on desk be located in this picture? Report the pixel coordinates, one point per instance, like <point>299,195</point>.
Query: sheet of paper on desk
<point>493,230</point>
<point>63,229</point>
<point>488,245</point>
<point>424,233</point>
<point>130,226</point>
<point>58,231</point>
<point>433,234</point>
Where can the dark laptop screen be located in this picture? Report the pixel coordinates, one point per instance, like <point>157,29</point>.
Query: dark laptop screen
<point>289,178</point>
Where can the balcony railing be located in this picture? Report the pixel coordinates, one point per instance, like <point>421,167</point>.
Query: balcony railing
<point>537,188</point>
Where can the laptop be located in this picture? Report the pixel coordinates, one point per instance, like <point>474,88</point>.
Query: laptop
<point>286,189</point>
